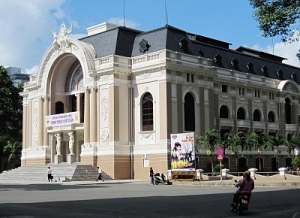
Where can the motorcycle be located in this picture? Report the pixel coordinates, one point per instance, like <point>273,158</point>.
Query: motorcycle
<point>160,179</point>
<point>243,200</point>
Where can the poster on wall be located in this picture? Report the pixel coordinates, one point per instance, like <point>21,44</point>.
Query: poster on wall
<point>182,151</point>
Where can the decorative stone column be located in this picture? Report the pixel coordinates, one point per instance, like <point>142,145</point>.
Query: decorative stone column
<point>71,155</point>
<point>87,117</point>
<point>46,113</point>
<point>58,156</point>
<point>93,124</point>
<point>41,122</point>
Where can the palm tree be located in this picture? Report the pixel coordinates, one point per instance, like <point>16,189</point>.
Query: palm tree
<point>274,143</point>
<point>12,150</point>
<point>238,140</point>
<point>209,141</point>
<point>254,141</point>
<point>293,144</point>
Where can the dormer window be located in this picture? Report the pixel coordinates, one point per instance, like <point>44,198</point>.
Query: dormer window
<point>280,74</point>
<point>250,67</point>
<point>264,71</point>
<point>294,76</point>
<point>201,53</point>
<point>234,63</point>
<point>218,60</point>
<point>183,44</point>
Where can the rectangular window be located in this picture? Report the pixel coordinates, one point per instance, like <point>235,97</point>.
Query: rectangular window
<point>257,93</point>
<point>241,91</point>
<point>271,96</point>
<point>224,88</point>
<point>190,77</point>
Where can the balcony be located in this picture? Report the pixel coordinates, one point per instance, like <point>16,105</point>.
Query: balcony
<point>259,125</point>
<point>243,124</point>
<point>291,127</point>
<point>226,122</point>
<point>273,126</point>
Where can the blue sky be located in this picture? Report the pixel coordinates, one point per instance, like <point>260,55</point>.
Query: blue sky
<point>27,25</point>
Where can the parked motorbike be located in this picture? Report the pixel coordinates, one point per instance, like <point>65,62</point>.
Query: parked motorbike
<point>243,200</point>
<point>160,179</point>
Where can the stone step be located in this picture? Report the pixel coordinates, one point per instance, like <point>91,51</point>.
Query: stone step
<point>64,172</point>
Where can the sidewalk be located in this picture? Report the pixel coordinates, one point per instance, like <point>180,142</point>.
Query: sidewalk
<point>229,182</point>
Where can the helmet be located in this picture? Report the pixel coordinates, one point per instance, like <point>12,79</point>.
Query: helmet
<point>247,173</point>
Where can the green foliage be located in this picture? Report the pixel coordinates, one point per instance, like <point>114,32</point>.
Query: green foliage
<point>12,150</point>
<point>276,17</point>
<point>217,167</point>
<point>10,107</point>
<point>296,162</point>
<point>210,141</point>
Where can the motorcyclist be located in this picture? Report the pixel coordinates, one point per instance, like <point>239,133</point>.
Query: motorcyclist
<point>246,185</point>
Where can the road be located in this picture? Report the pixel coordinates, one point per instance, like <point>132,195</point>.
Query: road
<point>140,200</point>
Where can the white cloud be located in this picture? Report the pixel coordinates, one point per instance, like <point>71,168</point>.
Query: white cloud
<point>285,50</point>
<point>26,30</point>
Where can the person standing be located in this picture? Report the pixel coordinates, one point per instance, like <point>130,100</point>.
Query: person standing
<point>100,176</point>
<point>151,176</point>
<point>49,174</point>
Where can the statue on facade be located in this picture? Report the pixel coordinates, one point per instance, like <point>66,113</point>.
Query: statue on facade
<point>58,143</point>
<point>62,39</point>
<point>71,142</point>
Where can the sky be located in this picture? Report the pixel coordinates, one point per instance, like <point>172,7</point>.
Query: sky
<point>26,25</point>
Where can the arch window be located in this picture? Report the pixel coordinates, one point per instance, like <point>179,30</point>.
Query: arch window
<point>147,112</point>
<point>259,164</point>
<point>241,114</point>
<point>271,117</point>
<point>224,112</point>
<point>189,112</point>
<point>256,115</point>
<point>59,107</point>
<point>288,116</point>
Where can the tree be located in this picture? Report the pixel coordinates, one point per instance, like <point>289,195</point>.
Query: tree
<point>12,151</point>
<point>209,141</point>
<point>275,17</point>
<point>238,141</point>
<point>254,141</point>
<point>10,107</point>
<point>293,144</point>
<point>274,142</point>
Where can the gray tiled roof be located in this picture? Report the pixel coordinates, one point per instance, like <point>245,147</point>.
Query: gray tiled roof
<point>126,42</point>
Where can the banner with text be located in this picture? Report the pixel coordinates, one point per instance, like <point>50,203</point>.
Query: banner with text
<point>62,119</point>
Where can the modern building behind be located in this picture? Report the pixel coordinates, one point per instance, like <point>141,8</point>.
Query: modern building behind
<point>16,75</point>
<point>113,98</point>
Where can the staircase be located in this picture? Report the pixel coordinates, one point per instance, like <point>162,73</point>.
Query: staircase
<point>61,172</point>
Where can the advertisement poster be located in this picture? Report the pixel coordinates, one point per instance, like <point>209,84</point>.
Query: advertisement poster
<point>182,151</point>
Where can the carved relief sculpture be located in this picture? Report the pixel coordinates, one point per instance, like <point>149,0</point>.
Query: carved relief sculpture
<point>58,144</point>
<point>71,142</point>
<point>62,40</point>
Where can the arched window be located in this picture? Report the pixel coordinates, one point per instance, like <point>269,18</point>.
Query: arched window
<point>224,112</point>
<point>256,115</point>
<point>242,164</point>
<point>271,117</point>
<point>240,114</point>
<point>189,112</point>
<point>259,164</point>
<point>288,116</point>
<point>59,107</point>
<point>147,112</point>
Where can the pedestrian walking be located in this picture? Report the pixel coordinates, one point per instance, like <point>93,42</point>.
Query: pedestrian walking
<point>49,174</point>
<point>151,176</point>
<point>100,176</point>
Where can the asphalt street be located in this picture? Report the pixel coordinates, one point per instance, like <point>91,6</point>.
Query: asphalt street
<point>139,199</point>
